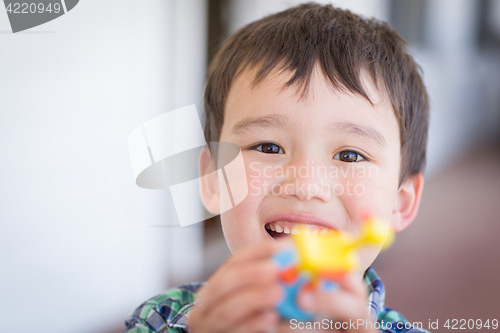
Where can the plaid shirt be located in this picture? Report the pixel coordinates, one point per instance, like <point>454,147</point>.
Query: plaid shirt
<point>168,312</point>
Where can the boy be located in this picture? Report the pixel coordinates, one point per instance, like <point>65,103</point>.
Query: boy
<point>319,89</point>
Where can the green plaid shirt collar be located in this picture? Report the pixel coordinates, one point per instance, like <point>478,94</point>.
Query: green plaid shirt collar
<point>394,322</point>
<point>376,297</point>
<point>168,312</point>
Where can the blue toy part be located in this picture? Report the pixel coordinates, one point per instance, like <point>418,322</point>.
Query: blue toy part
<point>288,308</point>
<point>328,285</point>
<point>286,258</point>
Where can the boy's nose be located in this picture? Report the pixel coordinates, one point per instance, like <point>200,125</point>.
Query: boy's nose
<point>306,179</point>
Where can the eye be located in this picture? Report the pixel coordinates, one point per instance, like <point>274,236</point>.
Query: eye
<point>268,148</point>
<point>348,156</point>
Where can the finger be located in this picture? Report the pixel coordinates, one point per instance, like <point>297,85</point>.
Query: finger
<point>238,308</point>
<point>349,301</point>
<point>265,322</point>
<point>233,274</point>
<point>229,281</point>
<point>341,306</point>
<point>354,284</point>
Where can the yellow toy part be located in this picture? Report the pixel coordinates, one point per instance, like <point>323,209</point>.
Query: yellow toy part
<point>335,254</point>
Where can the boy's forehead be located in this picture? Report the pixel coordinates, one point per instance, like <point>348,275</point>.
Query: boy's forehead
<point>276,83</point>
<point>273,91</point>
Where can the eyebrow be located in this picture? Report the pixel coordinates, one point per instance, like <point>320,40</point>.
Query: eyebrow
<point>282,121</point>
<point>359,130</point>
<point>266,121</point>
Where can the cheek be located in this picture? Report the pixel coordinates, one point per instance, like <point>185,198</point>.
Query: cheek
<point>260,179</point>
<point>237,227</point>
<point>241,224</point>
<point>369,190</point>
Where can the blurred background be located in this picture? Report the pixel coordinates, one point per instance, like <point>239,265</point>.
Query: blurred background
<point>81,245</point>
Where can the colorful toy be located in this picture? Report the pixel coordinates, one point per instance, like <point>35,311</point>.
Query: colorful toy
<point>317,261</point>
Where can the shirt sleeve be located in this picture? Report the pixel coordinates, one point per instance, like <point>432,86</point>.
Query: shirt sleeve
<point>392,321</point>
<point>164,313</point>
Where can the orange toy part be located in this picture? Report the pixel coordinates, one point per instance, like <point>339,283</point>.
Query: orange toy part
<point>289,275</point>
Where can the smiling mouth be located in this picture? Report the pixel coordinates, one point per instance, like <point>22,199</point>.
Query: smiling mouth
<point>280,229</point>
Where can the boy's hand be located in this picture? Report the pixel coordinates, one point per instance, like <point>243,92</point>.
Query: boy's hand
<point>345,305</point>
<point>241,295</point>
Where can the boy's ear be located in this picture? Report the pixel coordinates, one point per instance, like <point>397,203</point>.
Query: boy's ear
<point>407,202</point>
<point>209,183</point>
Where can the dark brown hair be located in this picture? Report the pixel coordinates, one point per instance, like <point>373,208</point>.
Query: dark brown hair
<point>343,44</point>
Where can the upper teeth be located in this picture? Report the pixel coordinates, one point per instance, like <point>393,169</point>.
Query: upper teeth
<point>295,228</point>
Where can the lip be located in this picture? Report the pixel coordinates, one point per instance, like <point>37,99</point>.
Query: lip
<point>299,217</point>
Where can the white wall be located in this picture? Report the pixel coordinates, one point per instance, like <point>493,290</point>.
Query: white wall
<point>76,250</point>
<point>244,12</point>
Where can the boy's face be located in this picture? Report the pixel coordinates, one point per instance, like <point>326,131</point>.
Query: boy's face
<point>329,155</point>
